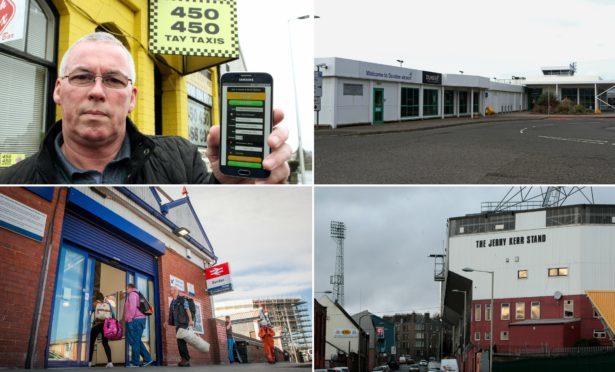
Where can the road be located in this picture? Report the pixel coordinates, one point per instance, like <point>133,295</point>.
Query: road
<point>549,151</point>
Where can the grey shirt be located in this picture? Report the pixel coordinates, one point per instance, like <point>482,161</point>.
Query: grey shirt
<point>114,173</point>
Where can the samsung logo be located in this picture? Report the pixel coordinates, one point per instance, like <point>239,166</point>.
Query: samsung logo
<point>245,79</point>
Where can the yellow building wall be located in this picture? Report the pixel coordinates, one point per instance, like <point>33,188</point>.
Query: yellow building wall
<point>81,17</point>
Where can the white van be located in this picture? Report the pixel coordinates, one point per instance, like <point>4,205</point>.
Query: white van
<point>449,365</point>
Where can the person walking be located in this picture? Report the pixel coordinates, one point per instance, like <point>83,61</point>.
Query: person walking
<point>180,317</point>
<point>102,310</point>
<point>135,324</point>
<point>230,340</point>
<point>266,334</point>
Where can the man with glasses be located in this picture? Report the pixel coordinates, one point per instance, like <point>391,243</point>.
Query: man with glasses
<point>95,142</point>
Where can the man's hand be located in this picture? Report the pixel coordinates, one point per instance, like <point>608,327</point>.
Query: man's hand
<point>276,162</point>
<point>191,323</point>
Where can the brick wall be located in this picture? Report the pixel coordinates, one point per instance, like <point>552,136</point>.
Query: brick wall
<point>21,261</point>
<point>174,264</point>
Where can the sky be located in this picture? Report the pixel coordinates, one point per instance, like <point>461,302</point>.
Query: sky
<point>491,38</point>
<point>265,233</point>
<point>390,232</point>
<point>265,28</point>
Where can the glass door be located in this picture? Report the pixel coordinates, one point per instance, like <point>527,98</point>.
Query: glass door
<point>146,287</point>
<point>378,106</point>
<point>68,336</point>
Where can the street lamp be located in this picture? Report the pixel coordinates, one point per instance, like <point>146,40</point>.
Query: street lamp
<point>463,345</point>
<point>469,270</point>
<point>292,65</point>
<point>400,61</point>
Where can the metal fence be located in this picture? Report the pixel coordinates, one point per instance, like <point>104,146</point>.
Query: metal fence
<point>546,351</point>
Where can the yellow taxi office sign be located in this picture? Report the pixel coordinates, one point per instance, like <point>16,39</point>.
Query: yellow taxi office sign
<point>203,28</point>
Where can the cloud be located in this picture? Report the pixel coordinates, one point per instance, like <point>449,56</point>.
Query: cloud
<point>265,233</point>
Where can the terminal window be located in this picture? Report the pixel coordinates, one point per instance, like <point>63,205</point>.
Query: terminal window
<point>430,102</point>
<point>409,102</point>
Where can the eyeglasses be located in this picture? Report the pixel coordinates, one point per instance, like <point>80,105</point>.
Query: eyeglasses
<point>87,79</point>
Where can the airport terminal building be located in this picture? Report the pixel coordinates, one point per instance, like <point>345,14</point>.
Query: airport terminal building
<point>358,92</point>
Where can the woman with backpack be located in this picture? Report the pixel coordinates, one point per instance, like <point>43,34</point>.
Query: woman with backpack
<point>102,310</point>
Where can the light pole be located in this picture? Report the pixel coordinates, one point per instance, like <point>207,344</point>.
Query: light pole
<point>463,344</point>
<point>292,65</point>
<point>400,61</point>
<point>469,270</point>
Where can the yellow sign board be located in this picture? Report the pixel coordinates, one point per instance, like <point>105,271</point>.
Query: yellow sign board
<point>206,28</point>
<point>6,159</point>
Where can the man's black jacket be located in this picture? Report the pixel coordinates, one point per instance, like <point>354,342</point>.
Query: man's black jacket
<point>153,160</point>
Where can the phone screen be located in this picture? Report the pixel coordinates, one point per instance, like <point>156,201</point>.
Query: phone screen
<point>246,118</point>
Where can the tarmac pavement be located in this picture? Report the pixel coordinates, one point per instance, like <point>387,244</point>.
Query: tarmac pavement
<point>435,123</point>
<point>247,367</point>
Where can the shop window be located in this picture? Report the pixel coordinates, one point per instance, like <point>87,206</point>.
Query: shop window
<point>558,271</point>
<point>504,335</point>
<point>586,98</point>
<point>520,310</point>
<point>199,122</point>
<point>430,102</point>
<point>449,102</point>
<point>463,102</point>
<point>569,93</point>
<point>409,102</point>
<point>569,309</point>
<point>27,69</point>
<point>477,311</point>
<point>522,274</point>
<point>535,310</point>
<point>476,102</point>
<point>505,311</point>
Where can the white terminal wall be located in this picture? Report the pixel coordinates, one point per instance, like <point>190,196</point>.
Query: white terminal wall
<point>339,109</point>
<point>586,250</point>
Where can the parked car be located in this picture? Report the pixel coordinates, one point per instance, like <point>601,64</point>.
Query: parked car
<point>433,366</point>
<point>338,369</point>
<point>383,368</point>
<point>449,365</point>
<point>406,359</point>
<point>423,362</point>
<point>414,368</point>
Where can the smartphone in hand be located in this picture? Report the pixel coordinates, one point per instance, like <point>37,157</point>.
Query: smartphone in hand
<point>245,123</point>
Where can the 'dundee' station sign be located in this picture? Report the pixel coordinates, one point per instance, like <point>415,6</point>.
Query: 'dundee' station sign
<point>192,35</point>
<point>218,278</point>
